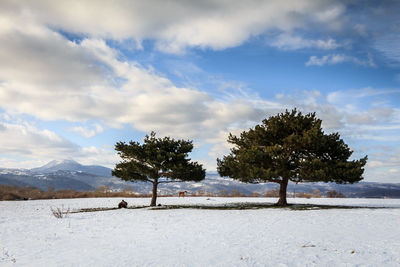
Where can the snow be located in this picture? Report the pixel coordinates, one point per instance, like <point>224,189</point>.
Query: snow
<point>31,236</point>
<point>14,171</point>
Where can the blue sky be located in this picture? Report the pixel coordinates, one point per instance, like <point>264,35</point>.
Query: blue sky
<point>76,77</point>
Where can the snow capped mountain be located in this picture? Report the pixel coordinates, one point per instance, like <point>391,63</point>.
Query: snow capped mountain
<point>56,165</point>
<point>71,165</point>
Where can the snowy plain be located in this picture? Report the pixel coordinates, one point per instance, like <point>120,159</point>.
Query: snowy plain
<point>31,236</point>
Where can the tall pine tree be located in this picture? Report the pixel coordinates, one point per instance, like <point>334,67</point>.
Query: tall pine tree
<point>290,146</point>
<point>157,160</point>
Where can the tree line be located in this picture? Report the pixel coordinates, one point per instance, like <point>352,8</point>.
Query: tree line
<point>289,146</point>
<point>10,192</point>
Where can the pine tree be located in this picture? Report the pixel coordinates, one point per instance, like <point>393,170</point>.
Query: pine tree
<point>290,146</point>
<point>157,160</point>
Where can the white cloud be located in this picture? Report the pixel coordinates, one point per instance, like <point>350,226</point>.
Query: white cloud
<point>383,164</point>
<point>99,156</point>
<point>175,25</point>
<point>313,101</point>
<point>38,146</point>
<point>32,54</point>
<point>88,132</point>
<point>372,116</point>
<point>377,102</point>
<point>382,175</point>
<point>330,14</point>
<point>367,114</point>
<point>334,59</point>
<point>388,45</point>
<point>342,96</point>
<point>26,139</point>
<point>292,42</point>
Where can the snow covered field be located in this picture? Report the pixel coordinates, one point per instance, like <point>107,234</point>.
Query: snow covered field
<point>31,236</point>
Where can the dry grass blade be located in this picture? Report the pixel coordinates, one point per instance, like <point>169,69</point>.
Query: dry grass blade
<point>59,213</point>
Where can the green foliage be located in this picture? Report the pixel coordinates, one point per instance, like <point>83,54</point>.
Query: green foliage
<point>290,146</point>
<point>157,160</point>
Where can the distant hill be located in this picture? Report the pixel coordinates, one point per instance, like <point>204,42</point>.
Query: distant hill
<point>11,181</point>
<point>69,174</point>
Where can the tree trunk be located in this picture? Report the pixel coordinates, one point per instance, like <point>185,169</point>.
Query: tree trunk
<point>282,193</point>
<point>154,195</point>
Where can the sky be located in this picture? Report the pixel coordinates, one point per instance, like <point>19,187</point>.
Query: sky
<point>78,76</point>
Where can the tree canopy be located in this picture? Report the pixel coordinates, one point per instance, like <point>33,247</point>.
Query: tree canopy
<point>157,160</point>
<point>290,146</point>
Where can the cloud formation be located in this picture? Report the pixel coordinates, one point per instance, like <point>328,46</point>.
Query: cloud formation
<point>88,132</point>
<point>388,45</point>
<point>26,141</point>
<point>176,25</point>
<point>292,42</point>
<point>24,138</point>
<point>334,59</point>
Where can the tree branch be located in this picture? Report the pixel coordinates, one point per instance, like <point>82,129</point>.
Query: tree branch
<point>151,181</point>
